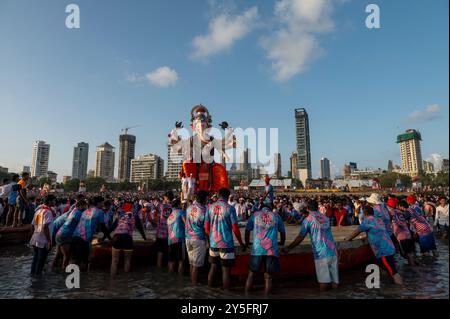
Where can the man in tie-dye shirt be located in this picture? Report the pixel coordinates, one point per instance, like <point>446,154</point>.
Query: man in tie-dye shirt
<point>220,224</point>
<point>379,241</point>
<point>160,215</point>
<point>421,226</point>
<point>63,232</point>
<point>326,260</point>
<point>195,234</point>
<point>84,232</point>
<point>265,226</point>
<point>176,225</point>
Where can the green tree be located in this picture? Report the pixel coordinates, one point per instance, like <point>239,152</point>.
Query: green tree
<point>389,180</point>
<point>72,185</point>
<point>94,184</point>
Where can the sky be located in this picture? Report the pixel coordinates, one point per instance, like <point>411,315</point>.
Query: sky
<point>250,62</point>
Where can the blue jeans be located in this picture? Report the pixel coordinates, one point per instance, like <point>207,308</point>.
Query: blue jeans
<point>39,260</point>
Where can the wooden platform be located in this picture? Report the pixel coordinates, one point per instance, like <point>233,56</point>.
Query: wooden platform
<point>299,261</point>
<point>14,236</point>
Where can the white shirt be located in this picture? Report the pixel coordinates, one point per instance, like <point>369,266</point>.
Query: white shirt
<point>441,215</point>
<point>5,190</point>
<point>191,184</point>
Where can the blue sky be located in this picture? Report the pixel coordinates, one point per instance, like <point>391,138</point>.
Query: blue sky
<point>361,87</point>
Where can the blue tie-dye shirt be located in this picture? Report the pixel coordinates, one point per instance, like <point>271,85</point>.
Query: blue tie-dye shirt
<point>195,222</point>
<point>176,226</point>
<point>378,237</point>
<point>265,226</point>
<point>381,211</point>
<point>221,216</point>
<point>67,229</point>
<point>87,226</point>
<point>319,229</point>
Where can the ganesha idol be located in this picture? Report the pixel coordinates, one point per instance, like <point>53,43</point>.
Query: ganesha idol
<point>198,150</point>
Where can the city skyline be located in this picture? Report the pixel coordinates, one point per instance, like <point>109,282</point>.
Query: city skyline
<point>358,95</point>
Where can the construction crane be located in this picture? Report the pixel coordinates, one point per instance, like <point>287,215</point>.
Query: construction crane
<point>125,130</point>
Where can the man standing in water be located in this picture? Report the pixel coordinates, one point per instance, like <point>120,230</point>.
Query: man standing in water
<point>379,241</point>
<point>195,234</point>
<point>326,259</point>
<point>265,225</point>
<point>162,212</point>
<point>220,224</point>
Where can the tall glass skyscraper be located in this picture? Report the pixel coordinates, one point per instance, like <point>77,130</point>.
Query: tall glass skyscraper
<point>303,145</point>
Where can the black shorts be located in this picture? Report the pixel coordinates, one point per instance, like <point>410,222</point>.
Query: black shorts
<point>388,264</point>
<point>79,249</point>
<point>177,252</point>
<point>161,245</point>
<point>122,242</point>
<point>224,257</point>
<point>406,247</point>
<point>271,264</point>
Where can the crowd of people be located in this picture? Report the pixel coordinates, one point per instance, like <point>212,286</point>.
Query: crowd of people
<point>207,223</point>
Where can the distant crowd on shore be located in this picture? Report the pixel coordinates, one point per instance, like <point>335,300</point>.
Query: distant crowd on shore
<point>189,229</point>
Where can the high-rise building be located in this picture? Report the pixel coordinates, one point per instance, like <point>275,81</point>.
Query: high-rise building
<point>245,164</point>
<point>174,164</point>
<point>277,163</point>
<point>390,166</point>
<point>353,166</point>
<point>40,158</point>
<point>347,170</point>
<point>325,171</point>
<point>294,169</point>
<point>303,145</point>
<point>105,160</point>
<point>3,170</point>
<point>428,167</point>
<point>127,145</point>
<point>411,152</point>
<point>444,166</point>
<point>80,161</point>
<point>146,167</point>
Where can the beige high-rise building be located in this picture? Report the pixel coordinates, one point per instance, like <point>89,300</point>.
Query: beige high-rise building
<point>294,166</point>
<point>428,167</point>
<point>411,152</point>
<point>104,164</point>
<point>277,160</point>
<point>174,164</point>
<point>146,167</point>
<point>40,158</point>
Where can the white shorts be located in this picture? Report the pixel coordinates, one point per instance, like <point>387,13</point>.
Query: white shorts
<point>196,252</point>
<point>327,270</point>
<point>217,252</point>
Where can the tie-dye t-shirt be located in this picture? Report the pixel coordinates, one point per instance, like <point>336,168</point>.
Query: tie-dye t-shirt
<point>176,226</point>
<point>126,223</point>
<point>163,212</point>
<point>66,230</point>
<point>59,222</point>
<point>419,222</point>
<point>195,222</point>
<point>88,223</point>
<point>381,211</point>
<point>221,216</point>
<point>400,225</point>
<point>265,226</point>
<point>319,229</point>
<point>378,237</point>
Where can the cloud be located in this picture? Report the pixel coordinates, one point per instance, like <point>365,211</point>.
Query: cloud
<point>294,45</point>
<point>223,31</point>
<point>133,78</point>
<point>436,159</point>
<point>432,112</point>
<point>162,77</point>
